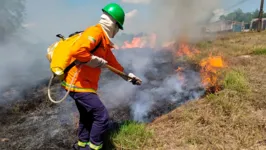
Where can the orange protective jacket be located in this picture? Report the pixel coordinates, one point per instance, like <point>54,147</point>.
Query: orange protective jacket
<point>87,78</point>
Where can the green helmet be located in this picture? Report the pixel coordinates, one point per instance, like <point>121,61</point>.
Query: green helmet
<point>117,12</point>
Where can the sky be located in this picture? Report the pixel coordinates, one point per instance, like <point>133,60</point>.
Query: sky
<point>245,5</point>
<point>49,17</point>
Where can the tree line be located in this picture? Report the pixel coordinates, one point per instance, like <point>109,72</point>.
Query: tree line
<point>239,15</point>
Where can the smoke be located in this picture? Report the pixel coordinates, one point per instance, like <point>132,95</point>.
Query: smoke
<point>23,43</point>
<point>171,19</point>
<point>17,56</point>
<point>26,30</point>
<point>161,85</point>
<point>23,51</point>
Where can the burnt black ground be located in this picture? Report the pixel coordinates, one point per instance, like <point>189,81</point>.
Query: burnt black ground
<point>29,121</point>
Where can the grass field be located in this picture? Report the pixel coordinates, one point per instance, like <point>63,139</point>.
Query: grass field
<point>233,118</point>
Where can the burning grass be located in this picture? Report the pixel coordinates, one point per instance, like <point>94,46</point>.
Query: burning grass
<point>231,118</point>
<point>210,66</point>
<point>211,73</point>
<point>228,119</point>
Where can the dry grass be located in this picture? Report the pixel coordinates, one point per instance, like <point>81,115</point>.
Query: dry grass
<point>234,118</point>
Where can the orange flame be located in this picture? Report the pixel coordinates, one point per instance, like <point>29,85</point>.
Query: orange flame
<point>140,42</point>
<point>135,43</point>
<point>209,72</point>
<point>209,67</point>
<point>186,50</point>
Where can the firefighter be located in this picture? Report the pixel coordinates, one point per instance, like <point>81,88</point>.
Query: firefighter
<point>93,121</point>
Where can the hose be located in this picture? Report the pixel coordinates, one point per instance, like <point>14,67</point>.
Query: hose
<point>68,91</point>
<point>72,82</point>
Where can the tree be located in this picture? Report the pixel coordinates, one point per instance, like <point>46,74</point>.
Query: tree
<point>239,15</point>
<point>256,13</point>
<point>12,15</point>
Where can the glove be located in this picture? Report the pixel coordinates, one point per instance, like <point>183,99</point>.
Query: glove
<point>135,80</point>
<point>96,62</point>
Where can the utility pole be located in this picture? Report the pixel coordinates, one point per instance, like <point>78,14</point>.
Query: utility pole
<point>260,16</point>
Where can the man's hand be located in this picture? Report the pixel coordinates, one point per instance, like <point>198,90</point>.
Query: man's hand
<point>135,80</point>
<point>96,62</point>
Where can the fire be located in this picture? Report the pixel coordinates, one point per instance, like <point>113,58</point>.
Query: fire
<point>135,43</point>
<point>209,67</point>
<point>186,50</point>
<point>209,72</point>
<point>140,42</point>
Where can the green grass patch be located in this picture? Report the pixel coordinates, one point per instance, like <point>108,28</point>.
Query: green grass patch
<point>235,80</point>
<point>261,51</point>
<point>132,135</point>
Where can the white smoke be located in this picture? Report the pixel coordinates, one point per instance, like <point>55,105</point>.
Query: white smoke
<point>25,63</point>
<point>142,105</point>
<point>170,19</point>
<point>160,84</point>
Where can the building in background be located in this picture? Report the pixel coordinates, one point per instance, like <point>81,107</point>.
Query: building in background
<point>225,26</point>
<point>254,24</point>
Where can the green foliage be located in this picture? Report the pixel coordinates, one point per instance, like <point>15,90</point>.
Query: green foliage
<point>235,80</point>
<point>131,135</point>
<point>239,15</point>
<point>260,51</point>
